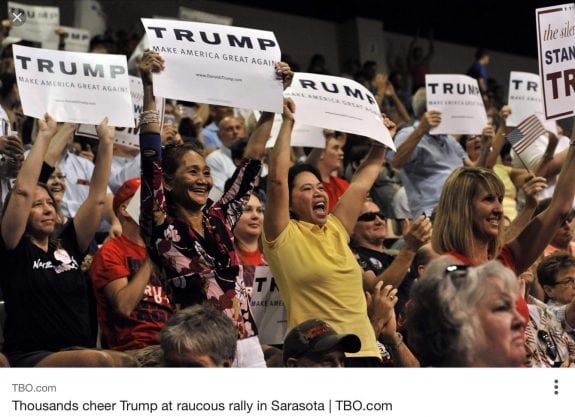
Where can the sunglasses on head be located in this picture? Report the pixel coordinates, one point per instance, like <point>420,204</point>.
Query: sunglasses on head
<point>370,216</point>
<point>457,273</point>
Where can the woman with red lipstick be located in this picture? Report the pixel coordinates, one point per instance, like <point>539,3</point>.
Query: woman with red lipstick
<point>189,238</point>
<point>308,248</point>
<point>47,295</point>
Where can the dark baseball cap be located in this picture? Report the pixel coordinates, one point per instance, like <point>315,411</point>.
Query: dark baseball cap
<point>314,336</point>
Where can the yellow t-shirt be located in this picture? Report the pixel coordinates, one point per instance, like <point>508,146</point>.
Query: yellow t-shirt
<point>319,278</point>
<point>509,199</point>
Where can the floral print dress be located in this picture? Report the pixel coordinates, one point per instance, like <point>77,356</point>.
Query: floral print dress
<point>196,268</point>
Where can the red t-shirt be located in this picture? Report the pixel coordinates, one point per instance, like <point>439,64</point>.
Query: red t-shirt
<point>121,258</point>
<point>334,189</point>
<point>255,258</point>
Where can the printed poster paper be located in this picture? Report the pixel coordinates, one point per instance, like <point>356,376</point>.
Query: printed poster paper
<point>215,64</point>
<point>337,103</point>
<point>459,100</point>
<point>555,45</point>
<point>74,87</point>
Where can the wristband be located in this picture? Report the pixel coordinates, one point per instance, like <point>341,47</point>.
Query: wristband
<point>45,172</point>
<point>149,116</point>
<point>396,346</point>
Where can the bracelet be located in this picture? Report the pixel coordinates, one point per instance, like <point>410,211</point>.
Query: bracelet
<point>149,116</point>
<point>396,346</point>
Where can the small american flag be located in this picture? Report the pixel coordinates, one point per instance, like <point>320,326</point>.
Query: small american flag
<point>525,134</point>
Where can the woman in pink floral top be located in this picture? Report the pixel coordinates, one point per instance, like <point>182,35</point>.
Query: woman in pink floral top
<point>187,236</point>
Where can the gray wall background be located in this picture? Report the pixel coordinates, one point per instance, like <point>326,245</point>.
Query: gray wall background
<point>301,37</point>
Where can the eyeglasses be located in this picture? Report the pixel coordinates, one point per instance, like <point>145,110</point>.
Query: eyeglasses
<point>550,347</point>
<point>370,216</point>
<point>566,281</point>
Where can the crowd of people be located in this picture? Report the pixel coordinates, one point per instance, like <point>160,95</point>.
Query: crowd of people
<point>442,253</point>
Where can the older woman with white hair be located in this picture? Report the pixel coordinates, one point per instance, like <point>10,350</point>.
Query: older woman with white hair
<point>466,316</point>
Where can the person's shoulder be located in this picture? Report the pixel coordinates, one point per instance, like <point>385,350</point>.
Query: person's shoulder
<point>507,257</point>
<point>215,155</point>
<point>340,181</point>
<point>78,160</point>
<point>403,134</point>
<point>334,224</point>
<point>212,127</point>
<point>115,244</point>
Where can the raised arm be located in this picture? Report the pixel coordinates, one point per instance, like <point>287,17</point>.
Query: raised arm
<point>532,188</point>
<point>279,161</point>
<point>15,217</point>
<point>89,215</point>
<point>385,89</point>
<point>151,195</point>
<point>551,164</point>
<point>485,150</point>
<point>349,205</point>
<point>404,152</point>
<point>59,144</point>
<point>418,234</point>
<point>529,245</point>
<point>151,62</point>
<point>499,138</point>
<point>255,148</point>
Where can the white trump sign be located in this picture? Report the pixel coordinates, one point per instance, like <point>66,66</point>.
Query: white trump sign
<point>40,23</point>
<point>74,87</point>
<point>128,136</point>
<point>302,135</point>
<point>78,40</point>
<point>337,103</point>
<point>216,64</point>
<point>266,304</point>
<point>525,99</point>
<point>556,47</point>
<point>459,100</point>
